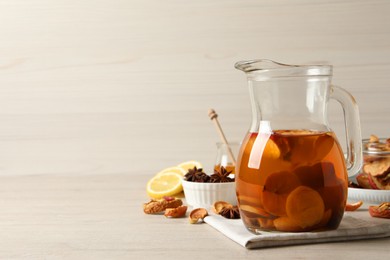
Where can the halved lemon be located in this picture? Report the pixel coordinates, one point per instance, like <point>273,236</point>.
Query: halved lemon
<point>175,169</point>
<point>189,165</point>
<point>164,184</point>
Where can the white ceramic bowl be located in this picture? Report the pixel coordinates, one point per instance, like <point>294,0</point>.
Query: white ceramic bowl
<point>368,195</point>
<point>203,195</point>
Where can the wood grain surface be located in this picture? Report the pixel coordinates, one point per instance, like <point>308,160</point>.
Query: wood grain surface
<point>112,86</point>
<point>101,217</point>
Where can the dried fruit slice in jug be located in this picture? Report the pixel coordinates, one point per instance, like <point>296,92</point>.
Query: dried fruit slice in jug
<point>305,206</point>
<point>277,188</point>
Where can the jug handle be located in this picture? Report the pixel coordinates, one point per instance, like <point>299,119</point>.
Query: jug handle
<point>354,158</point>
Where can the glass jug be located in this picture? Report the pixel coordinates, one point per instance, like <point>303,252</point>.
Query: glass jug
<point>291,173</point>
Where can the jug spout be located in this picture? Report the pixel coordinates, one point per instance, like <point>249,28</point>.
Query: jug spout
<point>269,69</point>
<point>259,64</point>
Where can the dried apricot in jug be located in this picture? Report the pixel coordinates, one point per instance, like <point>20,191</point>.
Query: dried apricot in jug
<point>311,176</point>
<point>305,206</point>
<point>286,224</point>
<point>277,187</point>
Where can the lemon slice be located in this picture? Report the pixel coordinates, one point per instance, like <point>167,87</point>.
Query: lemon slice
<point>164,184</point>
<point>189,165</point>
<point>175,169</point>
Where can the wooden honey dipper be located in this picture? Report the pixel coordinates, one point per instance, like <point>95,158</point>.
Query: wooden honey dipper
<point>213,116</point>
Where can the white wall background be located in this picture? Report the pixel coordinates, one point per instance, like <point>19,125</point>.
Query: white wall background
<point>109,86</point>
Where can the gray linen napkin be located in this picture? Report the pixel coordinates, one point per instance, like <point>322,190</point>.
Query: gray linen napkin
<point>351,228</point>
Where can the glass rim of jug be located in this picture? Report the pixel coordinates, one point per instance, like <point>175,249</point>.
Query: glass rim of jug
<point>272,69</point>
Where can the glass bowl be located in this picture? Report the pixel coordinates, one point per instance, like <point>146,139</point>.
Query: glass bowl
<point>376,163</point>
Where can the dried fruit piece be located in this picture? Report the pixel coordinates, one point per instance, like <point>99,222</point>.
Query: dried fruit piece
<point>311,175</point>
<point>290,225</point>
<point>219,205</point>
<point>381,211</point>
<point>286,224</point>
<point>374,139</point>
<point>377,167</point>
<point>277,187</point>
<point>255,210</point>
<point>353,206</point>
<point>176,212</point>
<point>362,180</point>
<point>156,206</point>
<point>266,223</point>
<point>305,206</point>
<point>271,149</point>
<point>226,210</point>
<point>197,214</point>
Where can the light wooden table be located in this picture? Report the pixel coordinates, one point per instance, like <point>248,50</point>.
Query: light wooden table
<point>101,217</point>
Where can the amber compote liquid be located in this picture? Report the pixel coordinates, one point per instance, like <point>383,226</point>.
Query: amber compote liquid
<point>291,180</point>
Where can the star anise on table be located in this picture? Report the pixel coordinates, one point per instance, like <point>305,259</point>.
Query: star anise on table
<point>221,176</point>
<point>196,175</point>
<point>231,212</point>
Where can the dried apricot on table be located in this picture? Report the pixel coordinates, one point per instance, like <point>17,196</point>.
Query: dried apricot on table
<point>305,206</point>
<point>219,205</point>
<point>353,206</point>
<point>197,215</point>
<point>176,212</point>
<point>381,211</point>
<point>156,206</point>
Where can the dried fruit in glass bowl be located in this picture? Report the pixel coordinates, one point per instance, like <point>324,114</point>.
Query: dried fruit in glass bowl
<point>376,166</point>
